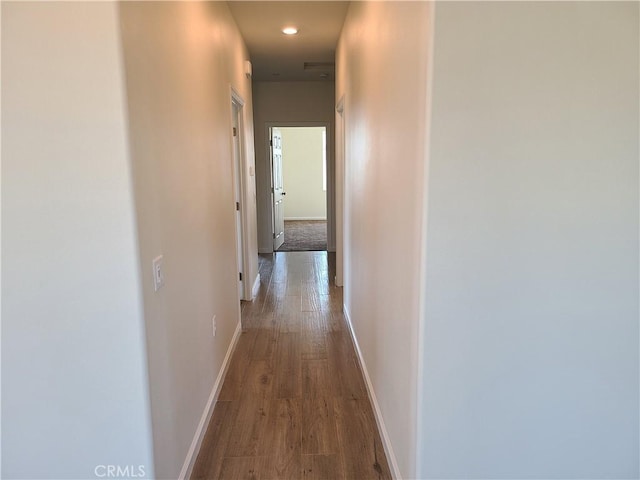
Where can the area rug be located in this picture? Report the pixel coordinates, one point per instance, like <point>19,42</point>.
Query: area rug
<point>304,235</point>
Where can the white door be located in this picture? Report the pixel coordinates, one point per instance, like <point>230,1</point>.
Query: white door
<point>237,175</point>
<point>277,188</point>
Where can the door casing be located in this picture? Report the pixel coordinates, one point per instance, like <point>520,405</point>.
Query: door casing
<point>239,179</point>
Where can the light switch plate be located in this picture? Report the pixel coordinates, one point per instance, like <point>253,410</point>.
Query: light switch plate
<point>158,273</point>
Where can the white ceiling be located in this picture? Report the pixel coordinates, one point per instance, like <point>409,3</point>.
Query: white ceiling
<point>278,57</point>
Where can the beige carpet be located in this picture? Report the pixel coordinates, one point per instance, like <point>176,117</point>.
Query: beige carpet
<point>304,235</point>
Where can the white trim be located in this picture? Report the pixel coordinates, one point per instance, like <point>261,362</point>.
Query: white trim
<point>256,287</point>
<point>305,218</point>
<point>194,449</point>
<point>420,465</point>
<point>242,195</point>
<point>340,152</point>
<point>386,441</point>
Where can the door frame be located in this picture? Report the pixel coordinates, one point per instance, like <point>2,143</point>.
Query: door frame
<point>341,148</point>
<point>237,100</point>
<point>330,197</point>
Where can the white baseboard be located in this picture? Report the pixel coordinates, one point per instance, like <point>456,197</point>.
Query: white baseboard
<point>192,454</point>
<point>386,441</point>
<point>256,287</point>
<point>305,218</point>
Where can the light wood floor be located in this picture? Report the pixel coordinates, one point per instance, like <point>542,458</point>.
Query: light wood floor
<point>294,404</point>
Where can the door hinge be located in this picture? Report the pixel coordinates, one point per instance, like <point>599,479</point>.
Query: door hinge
<point>274,236</point>
<point>238,206</point>
<point>235,132</point>
<point>240,275</point>
<point>271,143</point>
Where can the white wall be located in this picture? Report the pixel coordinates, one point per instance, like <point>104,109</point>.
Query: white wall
<point>284,103</point>
<point>382,73</point>
<point>303,169</point>
<point>74,379</point>
<point>531,343</point>
<point>181,60</point>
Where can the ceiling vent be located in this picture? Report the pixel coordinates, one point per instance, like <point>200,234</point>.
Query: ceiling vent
<point>319,66</point>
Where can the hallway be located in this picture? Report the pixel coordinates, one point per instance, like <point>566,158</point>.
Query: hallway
<point>294,403</point>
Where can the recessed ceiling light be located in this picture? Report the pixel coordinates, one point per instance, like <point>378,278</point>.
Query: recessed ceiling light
<point>290,30</point>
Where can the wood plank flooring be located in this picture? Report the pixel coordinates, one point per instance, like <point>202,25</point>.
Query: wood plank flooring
<point>294,404</point>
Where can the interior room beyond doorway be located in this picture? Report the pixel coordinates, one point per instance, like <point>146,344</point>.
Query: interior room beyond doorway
<point>304,171</point>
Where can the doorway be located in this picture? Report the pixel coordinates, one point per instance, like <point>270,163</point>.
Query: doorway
<point>299,187</point>
<point>237,105</point>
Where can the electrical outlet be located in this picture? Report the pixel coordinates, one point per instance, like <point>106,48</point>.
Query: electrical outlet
<point>158,273</point>
<point>213,322</point>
